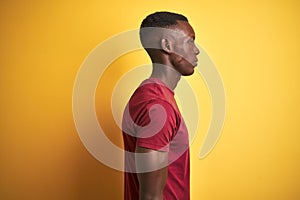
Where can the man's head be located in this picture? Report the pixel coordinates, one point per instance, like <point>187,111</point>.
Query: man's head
<point>169,39</point>
<point>162,19</point>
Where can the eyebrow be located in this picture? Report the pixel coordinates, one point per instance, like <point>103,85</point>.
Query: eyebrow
<point>192,36</point>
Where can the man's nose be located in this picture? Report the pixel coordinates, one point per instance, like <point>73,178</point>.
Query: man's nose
<point>197,51</point>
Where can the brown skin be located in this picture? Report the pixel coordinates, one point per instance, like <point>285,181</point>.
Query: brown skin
<point>176,58</point>
<point>151,184</point>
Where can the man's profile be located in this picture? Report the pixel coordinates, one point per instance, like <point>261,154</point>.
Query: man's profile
<point>153,123</point>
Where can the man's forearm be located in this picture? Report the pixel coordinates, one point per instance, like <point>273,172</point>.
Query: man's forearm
<point>146,196</point>
<point>152,184</point>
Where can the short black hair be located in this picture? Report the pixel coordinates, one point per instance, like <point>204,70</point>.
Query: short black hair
<point>162,19</point>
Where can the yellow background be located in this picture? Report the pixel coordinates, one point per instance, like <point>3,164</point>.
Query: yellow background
<point>254,44</point>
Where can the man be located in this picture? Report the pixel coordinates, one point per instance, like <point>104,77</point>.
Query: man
<point>152,123</point>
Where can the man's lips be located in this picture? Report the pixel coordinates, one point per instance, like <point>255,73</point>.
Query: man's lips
<point>195,62</point>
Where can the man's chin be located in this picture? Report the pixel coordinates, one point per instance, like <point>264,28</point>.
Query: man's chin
<point>188,73</point>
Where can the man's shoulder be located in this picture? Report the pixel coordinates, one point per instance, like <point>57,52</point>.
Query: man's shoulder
<point>150,88</point>
<point>147,95</point>
<point>152,93</point>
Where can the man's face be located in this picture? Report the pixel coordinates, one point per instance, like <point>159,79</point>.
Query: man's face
<point>184,51</point>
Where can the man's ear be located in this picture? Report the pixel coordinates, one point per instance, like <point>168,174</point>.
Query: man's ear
<point>166,45</point>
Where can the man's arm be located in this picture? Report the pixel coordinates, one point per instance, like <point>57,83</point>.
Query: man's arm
<point>152,183</point>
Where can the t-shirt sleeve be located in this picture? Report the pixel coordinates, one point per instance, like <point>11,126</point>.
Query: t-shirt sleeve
<point>157,126</point>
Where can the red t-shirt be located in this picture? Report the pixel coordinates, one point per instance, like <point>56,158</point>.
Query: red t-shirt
<point>152,120</point>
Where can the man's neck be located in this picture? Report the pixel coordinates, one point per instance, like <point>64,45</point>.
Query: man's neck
<point>166,74</point>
